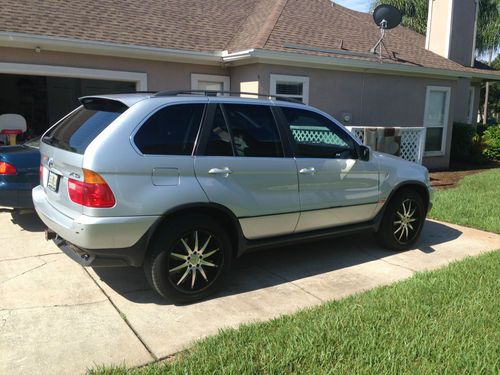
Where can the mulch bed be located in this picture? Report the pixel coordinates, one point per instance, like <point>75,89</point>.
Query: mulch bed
<point>450,178</point>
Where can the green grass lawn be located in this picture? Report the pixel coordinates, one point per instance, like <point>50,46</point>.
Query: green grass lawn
<point>440,322</point>
<point>475,202</point>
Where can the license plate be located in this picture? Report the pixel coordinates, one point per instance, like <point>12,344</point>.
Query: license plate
<point>53,181</point>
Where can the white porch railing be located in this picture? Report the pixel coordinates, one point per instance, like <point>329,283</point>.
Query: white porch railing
<point>411,146</point>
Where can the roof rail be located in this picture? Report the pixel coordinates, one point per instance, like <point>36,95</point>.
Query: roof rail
<point>131,92</point>
<point>216,93</point>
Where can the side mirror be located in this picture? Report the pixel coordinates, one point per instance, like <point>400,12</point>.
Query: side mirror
<point>364,153</point>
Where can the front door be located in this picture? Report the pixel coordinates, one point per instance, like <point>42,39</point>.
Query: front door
<point>336,187</point>
<point>241,165</point>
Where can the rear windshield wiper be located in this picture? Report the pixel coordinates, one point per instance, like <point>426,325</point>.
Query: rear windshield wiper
<point>48,139</point>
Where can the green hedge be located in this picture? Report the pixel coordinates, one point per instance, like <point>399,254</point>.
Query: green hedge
<point>462,141</point>
<point>475,143</point>
<point>491,142</point>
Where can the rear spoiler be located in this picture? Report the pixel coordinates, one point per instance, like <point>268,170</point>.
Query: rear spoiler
<point>99,103</point>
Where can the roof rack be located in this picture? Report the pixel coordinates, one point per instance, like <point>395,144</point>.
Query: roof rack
<point>217,93</point>
<point>132,92</point>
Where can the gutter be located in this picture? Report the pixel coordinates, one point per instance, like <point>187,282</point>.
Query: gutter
<point>72,45</point>
<point>59,44</point>
<point>324,62</point>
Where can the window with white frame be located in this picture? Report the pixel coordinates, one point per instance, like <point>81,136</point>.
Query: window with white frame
<point>293,87</point>
<point>470,113</point>
<point>437,106</point>
<point>210,82</point>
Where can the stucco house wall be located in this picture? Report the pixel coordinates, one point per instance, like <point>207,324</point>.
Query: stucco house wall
<point>370,99</point>
<point>161,75</point>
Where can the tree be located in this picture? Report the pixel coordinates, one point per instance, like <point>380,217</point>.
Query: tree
<point>493,107</point>
<point>488,25</point>
<point>414,12</point>
<point>488,29</point>
<point>487,42</point>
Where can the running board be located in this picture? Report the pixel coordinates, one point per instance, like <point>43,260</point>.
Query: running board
<point>250,245</point>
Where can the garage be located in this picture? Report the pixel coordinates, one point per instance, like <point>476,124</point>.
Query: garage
<point>50,92</point>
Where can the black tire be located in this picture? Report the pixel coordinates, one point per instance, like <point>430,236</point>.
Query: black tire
<point>181,271</point>
<point>398,233</point>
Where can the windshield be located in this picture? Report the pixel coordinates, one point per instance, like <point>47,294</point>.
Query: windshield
<point>78,130</point>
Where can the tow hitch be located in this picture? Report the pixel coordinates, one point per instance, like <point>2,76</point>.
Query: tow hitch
<point>50,235</point>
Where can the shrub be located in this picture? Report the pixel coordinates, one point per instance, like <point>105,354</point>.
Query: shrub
<point>491,142</point>
<point>462,142</point>
<point>480,128</point>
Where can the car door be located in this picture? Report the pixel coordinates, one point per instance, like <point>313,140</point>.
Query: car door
<point>336,187</point>
<point>241,164</point>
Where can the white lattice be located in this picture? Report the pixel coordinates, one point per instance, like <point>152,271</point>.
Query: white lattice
<point>313,134</point>
<point>412,141</point>
<point>359,132</point>
<point>410,145</point>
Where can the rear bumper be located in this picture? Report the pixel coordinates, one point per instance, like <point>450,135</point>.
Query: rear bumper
<point>132,256</point>
<point>92,233</point>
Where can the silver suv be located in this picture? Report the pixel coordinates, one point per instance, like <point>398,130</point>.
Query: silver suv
<point>181,184</point>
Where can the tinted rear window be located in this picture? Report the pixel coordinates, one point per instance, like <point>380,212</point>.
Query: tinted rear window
<point>171,130</point>
<point>78,130</point>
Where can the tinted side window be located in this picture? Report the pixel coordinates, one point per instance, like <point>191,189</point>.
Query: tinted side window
<point>219,141</point>
<point>170,131</point>
<point>318,137</point>
<point>254,130</point>
<point>78,130</point>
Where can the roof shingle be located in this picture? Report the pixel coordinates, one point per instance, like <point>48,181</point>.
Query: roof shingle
<point>218,25</point>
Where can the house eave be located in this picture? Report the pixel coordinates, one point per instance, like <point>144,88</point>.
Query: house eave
<point>348,64</point>
<point>71,45</point>
<point>99,48</point>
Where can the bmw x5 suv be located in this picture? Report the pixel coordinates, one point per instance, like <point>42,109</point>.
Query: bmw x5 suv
<point>181,184</point>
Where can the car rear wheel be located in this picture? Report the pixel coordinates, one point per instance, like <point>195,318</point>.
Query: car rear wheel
<point>189,259</point>
<point>402,222</point>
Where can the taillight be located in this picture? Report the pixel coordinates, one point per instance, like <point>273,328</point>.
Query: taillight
<point>93,191</point>
<point>41,174</point>
<point>6,168</point>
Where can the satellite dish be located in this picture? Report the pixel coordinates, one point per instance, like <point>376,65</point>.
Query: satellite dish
<point>387,16</point>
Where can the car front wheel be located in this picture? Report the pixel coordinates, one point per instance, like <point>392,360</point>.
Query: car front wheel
<point>403,221</point>
<point>189,259</point>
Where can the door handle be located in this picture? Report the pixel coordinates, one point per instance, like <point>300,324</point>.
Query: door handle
<point>223,171</point>
<point>310,171</point>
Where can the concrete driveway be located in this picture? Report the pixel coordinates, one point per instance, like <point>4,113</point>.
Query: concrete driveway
<point>57,317</point>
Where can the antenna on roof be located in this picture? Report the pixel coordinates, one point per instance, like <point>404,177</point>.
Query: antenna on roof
<point>386,17</point>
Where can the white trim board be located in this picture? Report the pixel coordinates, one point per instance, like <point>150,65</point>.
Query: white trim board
<point>429,23</point>
<point>140,79</point>
<point>335,63</point>
<point>275,78</point>
<point>225,80</point>
<point>29,41</point>
<point>93,47</point>
<point>472,100</point>
<point>449,27</point>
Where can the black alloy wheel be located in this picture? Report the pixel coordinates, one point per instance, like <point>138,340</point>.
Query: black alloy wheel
<point>189,258</point>
<point>403,220</point>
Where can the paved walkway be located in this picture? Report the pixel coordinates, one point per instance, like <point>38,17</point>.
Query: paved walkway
<point>59,318</point>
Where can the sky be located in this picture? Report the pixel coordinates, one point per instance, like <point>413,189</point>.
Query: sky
<point>359,5</point>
